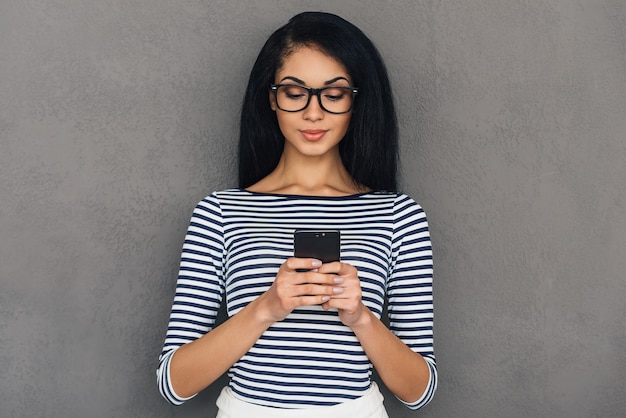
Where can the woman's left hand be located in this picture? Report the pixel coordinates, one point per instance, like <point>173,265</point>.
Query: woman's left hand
<point>347,299</point>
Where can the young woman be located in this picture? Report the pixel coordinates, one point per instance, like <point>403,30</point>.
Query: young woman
<point>318,150</point>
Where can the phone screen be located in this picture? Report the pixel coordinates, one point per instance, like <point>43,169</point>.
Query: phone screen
<point>321,244</point>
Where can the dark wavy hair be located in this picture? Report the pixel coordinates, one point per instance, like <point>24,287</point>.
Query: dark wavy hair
<point>369,150</point>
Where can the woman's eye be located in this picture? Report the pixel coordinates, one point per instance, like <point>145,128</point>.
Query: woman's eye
<point>294,93</point>
<point>334,98</point>
<point>335,94</point>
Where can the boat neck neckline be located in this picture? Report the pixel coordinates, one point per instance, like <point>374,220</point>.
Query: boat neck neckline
<point>307,196</point>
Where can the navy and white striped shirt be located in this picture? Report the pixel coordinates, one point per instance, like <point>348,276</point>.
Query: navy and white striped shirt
<point>234,246</point>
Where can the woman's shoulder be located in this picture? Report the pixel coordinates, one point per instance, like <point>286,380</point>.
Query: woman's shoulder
<point>214,200</point>
<point>405,205</point>
<point>399,198</point>
<point>404,198</point>
<point>222,194</point>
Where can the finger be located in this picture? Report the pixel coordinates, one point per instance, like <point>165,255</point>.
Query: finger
<point>338,267</point>
<point>347,305</point>
<point>350,294</point>
<point>310,289</point>
<point>293,264</point>
<point>315,277</point>
<point>337,303</point>
<point>310,300</point>
<point>333,267</point>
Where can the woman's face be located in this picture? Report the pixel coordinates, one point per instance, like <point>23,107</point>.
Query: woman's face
<point>312,131</point>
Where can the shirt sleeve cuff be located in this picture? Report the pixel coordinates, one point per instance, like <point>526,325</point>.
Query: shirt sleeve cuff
<point>429,393</point>
<point>165,382</point>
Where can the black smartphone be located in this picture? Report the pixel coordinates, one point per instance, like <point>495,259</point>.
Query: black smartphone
<point>321,244</point>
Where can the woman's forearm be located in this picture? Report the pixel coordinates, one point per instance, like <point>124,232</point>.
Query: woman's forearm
<point>405,373</point>
<point>194,366</point>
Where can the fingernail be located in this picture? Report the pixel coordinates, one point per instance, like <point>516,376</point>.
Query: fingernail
<point>316,263</point>
<point>337,290</point>
<point>338,279</point>
<point>325,299</point>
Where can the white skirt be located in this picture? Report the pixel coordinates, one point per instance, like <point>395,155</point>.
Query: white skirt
<point>369,405</point>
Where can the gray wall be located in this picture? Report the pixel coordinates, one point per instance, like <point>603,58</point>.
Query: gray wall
<point>116,117</point>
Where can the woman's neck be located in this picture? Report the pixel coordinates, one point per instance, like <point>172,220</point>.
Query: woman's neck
<point>305,175</point>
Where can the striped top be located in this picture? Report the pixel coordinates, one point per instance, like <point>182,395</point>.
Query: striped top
<point>234,246</point>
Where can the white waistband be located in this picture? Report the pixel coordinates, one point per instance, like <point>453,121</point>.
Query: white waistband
<point>369,405</point>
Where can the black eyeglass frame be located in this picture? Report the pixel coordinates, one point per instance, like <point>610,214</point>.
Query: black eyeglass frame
<point>314,92</point>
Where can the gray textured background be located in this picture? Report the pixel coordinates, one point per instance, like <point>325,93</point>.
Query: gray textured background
<point>116,117</point>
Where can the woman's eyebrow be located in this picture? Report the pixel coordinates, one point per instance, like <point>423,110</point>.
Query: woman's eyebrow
<point>326,83</point>
<point>335,79</point>
<point>297,80</point>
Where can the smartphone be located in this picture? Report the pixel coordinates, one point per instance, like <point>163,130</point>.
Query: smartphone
<point>321,244</point>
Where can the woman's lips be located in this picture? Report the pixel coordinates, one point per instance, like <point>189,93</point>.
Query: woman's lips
<point>313,134</point>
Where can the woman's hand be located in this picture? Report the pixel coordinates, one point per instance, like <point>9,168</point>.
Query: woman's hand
<point>299,283</point>
<point>348,300</point>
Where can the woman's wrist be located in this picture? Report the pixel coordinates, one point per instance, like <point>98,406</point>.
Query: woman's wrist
<point>364,320</point>
<point>261,311</point>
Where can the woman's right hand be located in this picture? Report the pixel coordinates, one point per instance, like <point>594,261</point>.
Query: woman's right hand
<point>293,288</point>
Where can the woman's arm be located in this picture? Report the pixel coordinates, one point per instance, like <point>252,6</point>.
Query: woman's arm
<point>196,365</point>
<point>403,355</point>
<point>195,354</point>
<point>199,289</point>
<point>405,372</point>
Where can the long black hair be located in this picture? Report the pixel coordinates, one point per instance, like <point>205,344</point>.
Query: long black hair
<point>369,150</point>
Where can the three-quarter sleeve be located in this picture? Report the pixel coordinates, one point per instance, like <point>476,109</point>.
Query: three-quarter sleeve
<point>199,288</point>
<point>410,287</point>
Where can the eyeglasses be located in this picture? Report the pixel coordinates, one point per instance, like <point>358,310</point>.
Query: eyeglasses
<point>332,99</point>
